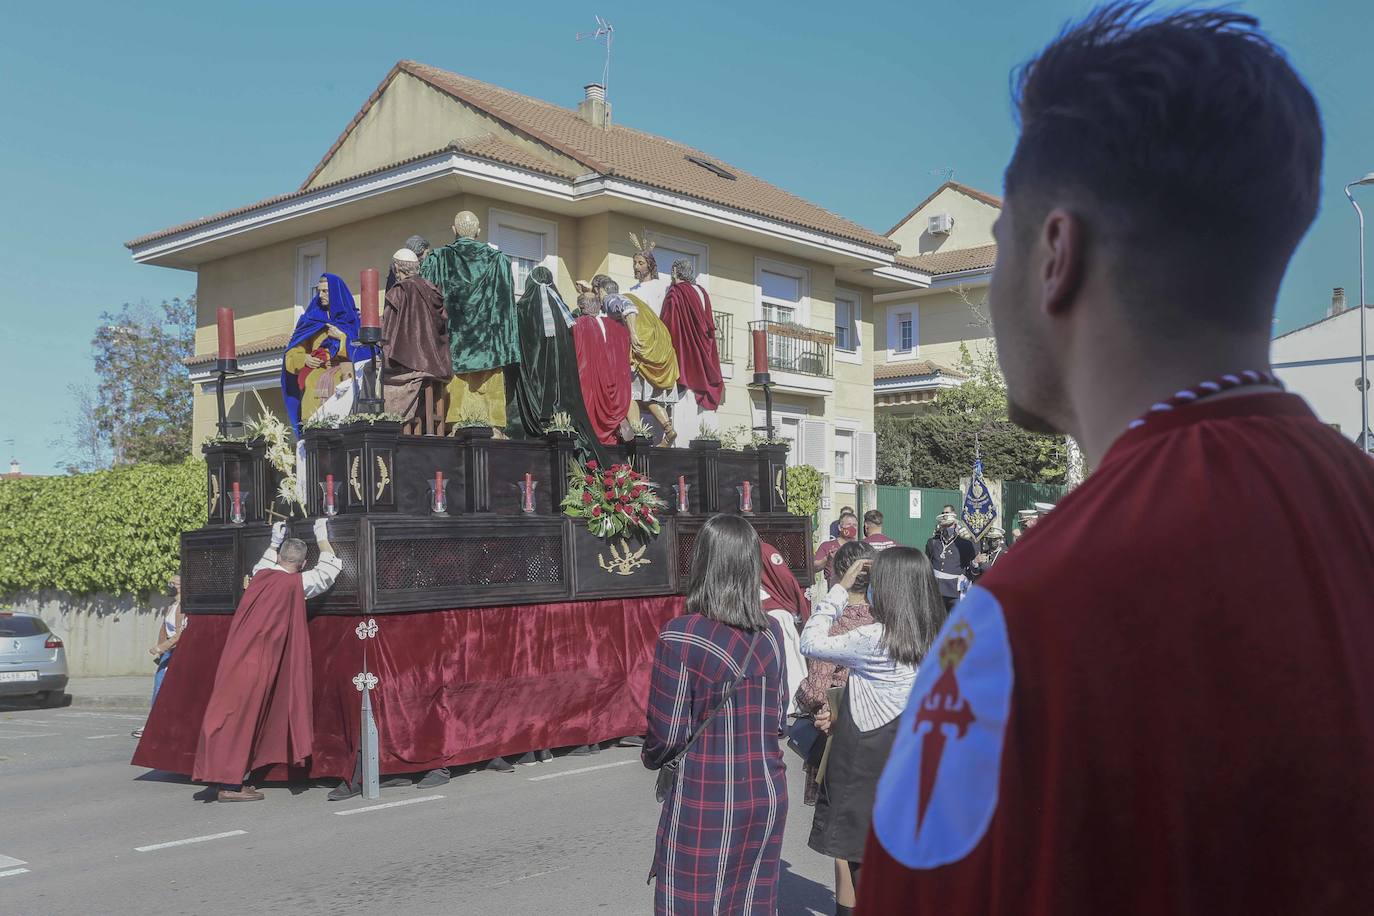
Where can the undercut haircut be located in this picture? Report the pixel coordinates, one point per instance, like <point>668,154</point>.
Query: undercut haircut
<point>873,517</point>
<point>907,602</point>
<point>293,551</point>
<point>1189,146</point>
<point>727,574</point>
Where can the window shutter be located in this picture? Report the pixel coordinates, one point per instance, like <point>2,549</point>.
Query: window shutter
<point>813,451</point>
<point>865,456</point>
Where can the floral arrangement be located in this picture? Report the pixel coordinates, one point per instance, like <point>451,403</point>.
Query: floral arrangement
<point>282,456</point>
<point>561,422</point>
<point>371,419</point>
<point>470,417</point>
<point>641,430</point>
<point>707,433</point>
<point>615,502</point>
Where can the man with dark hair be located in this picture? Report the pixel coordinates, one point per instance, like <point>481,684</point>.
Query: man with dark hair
<point>1118,718</point>
<point>873,531</point>
<point>951,557</point>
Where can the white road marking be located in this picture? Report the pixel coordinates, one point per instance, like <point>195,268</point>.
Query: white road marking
<point>99,715</point>
<point>8,862</point>
<point>14,871</point>
<point>537,874</point>
<point>600,766</point>
<point>395,804</point>
<point>31,735</point>
<point>93,737</point>
<point>194,839</point>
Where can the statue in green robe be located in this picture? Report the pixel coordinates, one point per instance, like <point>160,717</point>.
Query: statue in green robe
<point>475,279</point>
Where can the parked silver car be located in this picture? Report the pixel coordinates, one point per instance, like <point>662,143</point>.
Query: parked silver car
<point>32,659</point>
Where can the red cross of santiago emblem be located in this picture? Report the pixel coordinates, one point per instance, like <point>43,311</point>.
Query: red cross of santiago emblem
<point>940,707</point>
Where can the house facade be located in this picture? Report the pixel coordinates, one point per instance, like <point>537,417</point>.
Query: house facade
<point>919,333</point>
<point>1321,362</point>
<point>563,188</point>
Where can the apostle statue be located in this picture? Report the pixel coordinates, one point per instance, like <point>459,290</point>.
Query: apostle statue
<point>416,244</point>
<point>415,328</point>
<point>475,280</point>
<point>653,360</point>
<point>688,316</point>
<point>603,367</point>
<point>323,358</point>
<point>545,381</point>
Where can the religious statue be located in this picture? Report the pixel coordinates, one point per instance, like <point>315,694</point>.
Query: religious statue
<point>417,339</point>
<point>475,280</point>
<point>545,381</point>
<point>417,245</point>
<point>689,319</point>
<point>652,358</point>
<point>603,367</point>
<point>323,357</point>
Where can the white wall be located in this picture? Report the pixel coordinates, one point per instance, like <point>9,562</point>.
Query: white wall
<point>1321,363</point>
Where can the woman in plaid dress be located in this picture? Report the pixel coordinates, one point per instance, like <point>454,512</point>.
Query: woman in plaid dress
<point>720,834</point>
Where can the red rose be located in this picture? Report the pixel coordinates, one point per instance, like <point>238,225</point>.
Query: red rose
<point>596,512</point>
<point>590,479</point>
<point>637,492</point>
<point>608,480</point>
<point>586,498</point>
<point>591,465</point>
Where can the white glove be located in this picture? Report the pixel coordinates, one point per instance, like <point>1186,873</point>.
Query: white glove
<point>321,530</point>
<point>278,534</point>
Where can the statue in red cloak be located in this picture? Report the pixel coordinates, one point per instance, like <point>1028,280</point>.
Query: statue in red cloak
<point>603,366</point>
<point>692,324</point>
<point>260,708</point>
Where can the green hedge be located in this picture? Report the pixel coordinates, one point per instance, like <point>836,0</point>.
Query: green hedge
<point>111,531</point>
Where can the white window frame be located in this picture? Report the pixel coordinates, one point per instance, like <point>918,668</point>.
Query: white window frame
<point>305,286</point>
<point>782,412</point>
<point>699,250</point>
<point>894,315</point>
<point>844,428</point>
<point>802,274</point>
<point>856,355</point>
<point>544,227</point>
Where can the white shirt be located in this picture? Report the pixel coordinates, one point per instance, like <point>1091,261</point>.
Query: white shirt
<point>652,292</point>
<point>315,581</point>
<point>878,686</point>
<point>169,622</point>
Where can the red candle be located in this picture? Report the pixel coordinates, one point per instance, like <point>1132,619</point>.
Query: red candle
<point>438,501</point>
<point>225,319</point>
<point>760,350</point>
<point>748,497</point>
<point>371,316</point>
<point>238,498</point>
<point>681,493</point>
<point>529,492</point>
<point>328,492</point>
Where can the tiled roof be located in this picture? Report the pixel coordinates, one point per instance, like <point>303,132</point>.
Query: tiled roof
<point>630,154</point>
<point>252,348</point>
<point>982,196</point>
<point>914,368</point>
<point>949,262</point>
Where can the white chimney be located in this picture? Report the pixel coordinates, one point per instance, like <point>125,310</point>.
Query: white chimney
<point>14,466</point>
<point>1338,300</point>
<point>594,109</point>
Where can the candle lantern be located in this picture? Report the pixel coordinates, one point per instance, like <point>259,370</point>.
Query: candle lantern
<point>759,335</point>
<point>527,488</point>
<point>331,495</point>
<point>746,496</point>
<point>226,364</point>
<point>237,498</point>
<point>681,497</point>
<point>438,494</point>
<point>370,333</point>
<point>371,313</point>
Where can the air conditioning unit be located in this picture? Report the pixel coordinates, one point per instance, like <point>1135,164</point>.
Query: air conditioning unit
<point>941,224</point>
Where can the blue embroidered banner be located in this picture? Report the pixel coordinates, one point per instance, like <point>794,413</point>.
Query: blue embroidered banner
<point>979,512</point>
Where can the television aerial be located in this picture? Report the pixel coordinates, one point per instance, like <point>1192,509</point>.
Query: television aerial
<point>605,32</point>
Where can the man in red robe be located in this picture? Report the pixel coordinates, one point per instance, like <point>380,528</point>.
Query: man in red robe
<point>260,709</point>
<point>603,367</point>
<point>692,324</point>
<point>1134,713</point>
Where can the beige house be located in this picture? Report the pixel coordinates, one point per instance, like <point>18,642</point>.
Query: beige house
<point>918,334</point>
<point>563,188</point>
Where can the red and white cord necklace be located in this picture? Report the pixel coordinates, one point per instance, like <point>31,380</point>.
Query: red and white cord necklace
<point>1207,389</point>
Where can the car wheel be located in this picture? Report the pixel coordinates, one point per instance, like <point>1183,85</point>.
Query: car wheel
<point>55,698</point>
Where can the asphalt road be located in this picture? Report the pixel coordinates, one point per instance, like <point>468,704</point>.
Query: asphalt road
<point>81,831</point>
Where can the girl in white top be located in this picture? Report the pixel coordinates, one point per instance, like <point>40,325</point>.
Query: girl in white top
<point>882,658</point>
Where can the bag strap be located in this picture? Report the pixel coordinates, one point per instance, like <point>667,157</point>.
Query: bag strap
<point>728,696</point>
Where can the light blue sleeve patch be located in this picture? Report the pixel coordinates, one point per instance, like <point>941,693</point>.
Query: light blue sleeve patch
<point>938,791</point>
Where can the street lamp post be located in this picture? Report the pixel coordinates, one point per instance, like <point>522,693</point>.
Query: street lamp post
<point>1364,349</point>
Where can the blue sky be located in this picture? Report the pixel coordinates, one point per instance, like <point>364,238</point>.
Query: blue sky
<point>126,118</point>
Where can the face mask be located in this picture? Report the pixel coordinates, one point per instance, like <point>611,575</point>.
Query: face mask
<point>171,591</point>
<point>849,531</point>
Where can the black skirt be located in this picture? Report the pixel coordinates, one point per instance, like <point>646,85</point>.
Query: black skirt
<point>844,805</point>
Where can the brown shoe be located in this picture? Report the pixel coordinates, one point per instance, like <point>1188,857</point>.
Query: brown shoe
<point>247,793</point>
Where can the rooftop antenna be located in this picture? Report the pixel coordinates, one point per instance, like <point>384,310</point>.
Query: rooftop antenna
<point>604,32</point>
<point>946,174</point>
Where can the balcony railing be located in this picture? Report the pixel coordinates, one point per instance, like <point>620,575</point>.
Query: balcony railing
<point>796,348</point>
<point>725,326</point>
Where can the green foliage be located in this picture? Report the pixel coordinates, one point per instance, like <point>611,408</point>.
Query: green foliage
<point>937,448</point>
<point>804,491</point>
<point>113,531</point>
<point>143,406</point>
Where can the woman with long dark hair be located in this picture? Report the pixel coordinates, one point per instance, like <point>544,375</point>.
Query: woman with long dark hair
<point>721,665</point>
<point>882,658</point>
